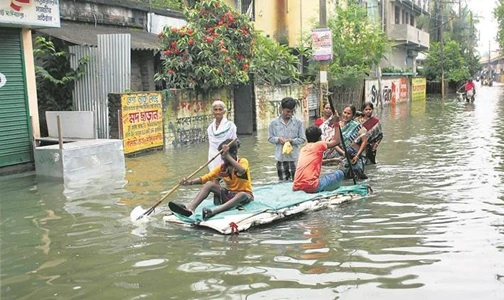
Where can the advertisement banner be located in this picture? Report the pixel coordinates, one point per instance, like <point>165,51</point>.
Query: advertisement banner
<point>142,121</point>
<point>418,89</point>
<point>36,13</point>
<point>394,90</point>
<point>322,44</point>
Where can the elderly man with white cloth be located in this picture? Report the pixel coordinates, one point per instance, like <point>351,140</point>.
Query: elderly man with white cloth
<point>219,130</point>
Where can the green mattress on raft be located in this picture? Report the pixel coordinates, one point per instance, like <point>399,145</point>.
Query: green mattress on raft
<point>271,202</point>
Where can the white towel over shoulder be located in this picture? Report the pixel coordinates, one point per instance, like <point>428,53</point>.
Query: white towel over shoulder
<point>226,130</point>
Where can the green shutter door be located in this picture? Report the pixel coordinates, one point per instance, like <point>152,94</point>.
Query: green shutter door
<point>15,129</point>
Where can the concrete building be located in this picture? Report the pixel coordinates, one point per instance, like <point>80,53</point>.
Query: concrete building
<point>399,20</point>
<point>493,64</point>
<point>18,92</point>
<point>288,20</point>
<point>120,40</point>
<point>78,23</point>
<point>89,18</point>
<point>284,20</point>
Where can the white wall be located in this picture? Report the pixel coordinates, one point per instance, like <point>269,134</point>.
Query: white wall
<point>398,59</point>
<point>156,23</point>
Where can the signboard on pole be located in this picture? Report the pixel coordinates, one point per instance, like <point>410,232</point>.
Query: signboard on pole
<point>36,13</point>
<point>322,44</point>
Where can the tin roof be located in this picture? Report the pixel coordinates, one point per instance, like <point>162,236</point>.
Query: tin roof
<point>85,34</point>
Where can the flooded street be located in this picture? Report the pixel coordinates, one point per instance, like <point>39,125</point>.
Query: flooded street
<point>433,230</point>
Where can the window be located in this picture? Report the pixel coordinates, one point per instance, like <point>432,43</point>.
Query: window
<point>412,20</point>
<point>247,8</point>
<point>397,18</point>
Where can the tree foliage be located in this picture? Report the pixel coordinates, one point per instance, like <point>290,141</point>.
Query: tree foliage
<point>462,30</point>
<point>453,24</point>
<point>358,44</point>
<point>498,13</point>
<point>219,47</point>
<point>273,63</point>
<point>450,61</point>
<point>54,76</point>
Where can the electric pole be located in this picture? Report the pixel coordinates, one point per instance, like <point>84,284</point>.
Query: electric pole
<point>323,80</point>
<point>439,11</point>
<point>489,65</point>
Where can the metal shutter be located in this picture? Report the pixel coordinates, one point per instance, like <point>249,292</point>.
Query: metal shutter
<point>15,129</point>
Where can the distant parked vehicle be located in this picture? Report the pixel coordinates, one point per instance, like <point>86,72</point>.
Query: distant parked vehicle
<point>487,81</point>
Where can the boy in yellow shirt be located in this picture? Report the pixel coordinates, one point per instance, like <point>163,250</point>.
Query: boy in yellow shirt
<point>234,172</point>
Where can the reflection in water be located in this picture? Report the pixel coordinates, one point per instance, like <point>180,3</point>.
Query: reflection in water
<point>434,230</point>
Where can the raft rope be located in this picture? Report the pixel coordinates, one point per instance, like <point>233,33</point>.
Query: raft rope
<point>234,227</point>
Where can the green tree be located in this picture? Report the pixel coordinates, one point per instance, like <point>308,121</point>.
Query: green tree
<point>462,29</point>
<point>358,45</point>
<point>273,63</point>
<point>54,76</point>
<point>452,23</point>
<point>219,47</point>
<point>498,13</point>
<point>452,62</point>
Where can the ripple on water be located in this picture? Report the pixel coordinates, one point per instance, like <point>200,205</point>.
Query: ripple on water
<point>149,262</point>
<point>436,222</point>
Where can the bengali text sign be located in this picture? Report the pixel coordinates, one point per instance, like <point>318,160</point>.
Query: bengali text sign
<point>418,89</point>
<point>36,13</point>
<point>142,121</point>
<point>322,44</point>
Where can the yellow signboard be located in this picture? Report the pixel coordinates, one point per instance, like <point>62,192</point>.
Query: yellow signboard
<point>142,121</point>
<point>418,89</point>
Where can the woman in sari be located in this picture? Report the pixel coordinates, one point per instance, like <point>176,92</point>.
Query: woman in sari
<point>326,115</point>
<point>374,131</point>
<point>327,128</point>
<point>219,130</point>
<point>354,136</point>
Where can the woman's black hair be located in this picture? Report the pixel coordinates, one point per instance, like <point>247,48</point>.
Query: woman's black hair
<point>233,149</point>
<point>366,104</point>
<point>313,134</point>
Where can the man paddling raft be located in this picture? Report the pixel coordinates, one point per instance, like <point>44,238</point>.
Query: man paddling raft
<point>234,172</point>
<point>309,165</point>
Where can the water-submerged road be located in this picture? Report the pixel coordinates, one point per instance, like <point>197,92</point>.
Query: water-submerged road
<point>434,230</point>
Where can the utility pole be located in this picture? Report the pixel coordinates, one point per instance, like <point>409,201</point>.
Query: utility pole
<point>378,67</point>
<point>489,65</point>
<point>440,30</point>
<point>323,80</point>
<point>471,32</point>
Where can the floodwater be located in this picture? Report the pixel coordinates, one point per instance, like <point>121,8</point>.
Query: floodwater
<point>434,229</point>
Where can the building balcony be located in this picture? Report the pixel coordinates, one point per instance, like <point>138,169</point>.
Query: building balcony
<point>409,36</point>
<point>421,6</point>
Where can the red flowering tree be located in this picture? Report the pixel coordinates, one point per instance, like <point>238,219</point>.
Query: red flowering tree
<point>213,50</point>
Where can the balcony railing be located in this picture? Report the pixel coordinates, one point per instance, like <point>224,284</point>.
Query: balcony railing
<point>410,35</point>
<point>417,5</point>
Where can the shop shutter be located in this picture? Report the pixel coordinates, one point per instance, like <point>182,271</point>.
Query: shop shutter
<point>15,128</point>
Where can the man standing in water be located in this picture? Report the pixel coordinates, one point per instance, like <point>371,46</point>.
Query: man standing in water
<point>286,129</point>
